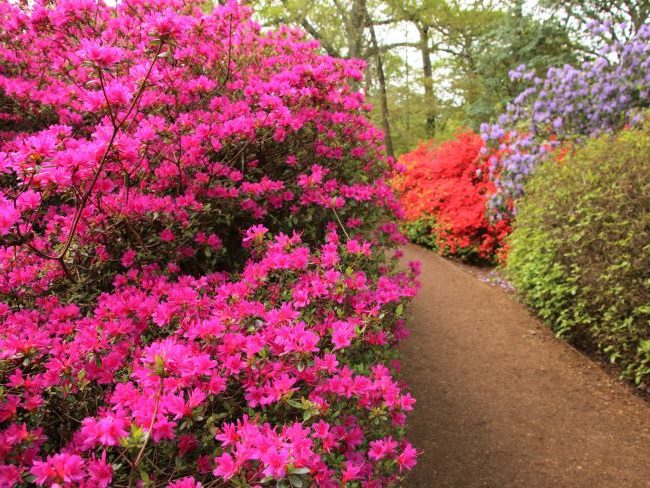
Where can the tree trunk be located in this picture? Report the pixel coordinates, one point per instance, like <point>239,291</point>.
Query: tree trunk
<point>383,96</point>
<point>356,28</point>
<point>427,71</point>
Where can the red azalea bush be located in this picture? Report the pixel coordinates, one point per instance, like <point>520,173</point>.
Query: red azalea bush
<point>444,189</point>
<point>197,286</point>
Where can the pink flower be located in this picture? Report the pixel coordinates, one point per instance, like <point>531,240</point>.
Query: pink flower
<point>188,482</point>
<point>107,430</point>
<point>351,472</point>
<point>342,334</point>
<point>415,267</point>
<point>226,466</point>
<point>10,475</point>
<point>128,258</point>
<point>255,235</point>
<point>406,402</point>
<point>59,468</point>
<point>228,435</point>
<point>102,56</point>
<point>186,443</point>
<point>382,448</point>
<point>275,463</point>
<point>100,471</point>
<point>283,385</point>
<point>9,215</point>
<point>28,200</point>
<point>167,235</point>
<point>407,458</point>
<point>327,363</point>
<point>214,241</point>
<point>204,464</point>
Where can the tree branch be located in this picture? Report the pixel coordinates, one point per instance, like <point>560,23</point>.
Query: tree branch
<point>371,51</point>
<point>329,49</point>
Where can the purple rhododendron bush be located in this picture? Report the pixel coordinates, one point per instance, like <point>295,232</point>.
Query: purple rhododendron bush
<point>571,104</point>
<point>198,278</point>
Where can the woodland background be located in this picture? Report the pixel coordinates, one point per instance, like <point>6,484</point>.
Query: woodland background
<point>435,66</point>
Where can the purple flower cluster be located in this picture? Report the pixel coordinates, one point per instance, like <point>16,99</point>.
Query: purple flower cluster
<point>570,104</point>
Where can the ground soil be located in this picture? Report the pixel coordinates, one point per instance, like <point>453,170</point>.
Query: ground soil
<point>502,403</point>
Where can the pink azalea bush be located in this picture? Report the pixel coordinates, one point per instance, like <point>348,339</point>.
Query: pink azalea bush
<point>198,281</point>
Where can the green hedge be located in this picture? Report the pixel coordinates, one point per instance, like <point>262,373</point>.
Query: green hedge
<point>580,249</point>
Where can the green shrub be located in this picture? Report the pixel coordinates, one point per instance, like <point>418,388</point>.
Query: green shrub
<point>580,250</point>
<point>422,231</point>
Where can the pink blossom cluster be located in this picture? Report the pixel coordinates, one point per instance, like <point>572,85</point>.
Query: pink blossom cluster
<point>198,285</point>
<point>173,123</point>
<point>261,370</point>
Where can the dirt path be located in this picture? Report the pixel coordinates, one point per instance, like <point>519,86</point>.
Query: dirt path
<point>502,403</point>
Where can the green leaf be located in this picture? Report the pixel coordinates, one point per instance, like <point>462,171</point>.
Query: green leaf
<point>296,403</point>
<point>144,476</point>
<point>295,481</point>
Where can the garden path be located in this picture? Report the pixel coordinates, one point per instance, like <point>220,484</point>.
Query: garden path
<point>502,403</point>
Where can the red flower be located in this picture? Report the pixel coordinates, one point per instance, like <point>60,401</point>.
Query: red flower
<point>449,182</point>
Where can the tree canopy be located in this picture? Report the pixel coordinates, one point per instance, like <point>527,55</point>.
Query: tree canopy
<point>436,65</point>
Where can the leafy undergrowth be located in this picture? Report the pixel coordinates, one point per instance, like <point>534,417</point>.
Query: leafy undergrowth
<point>580,253</point>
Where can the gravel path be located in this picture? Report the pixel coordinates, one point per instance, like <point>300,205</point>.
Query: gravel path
<point>502,403</point>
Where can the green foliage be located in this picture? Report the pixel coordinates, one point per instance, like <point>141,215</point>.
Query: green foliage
<point>471,47</point>
<point>627,16</point>
<point>513,39</point>
<point>421,231</point>
<point>580,250</point>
